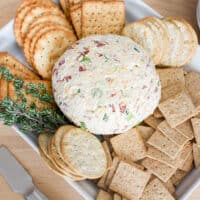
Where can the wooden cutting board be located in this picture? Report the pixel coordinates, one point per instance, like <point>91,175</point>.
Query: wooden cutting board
<point>48,182</point>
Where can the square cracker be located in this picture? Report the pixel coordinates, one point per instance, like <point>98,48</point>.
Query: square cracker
<point>172,134</point>
<point>196,154</point>
<point>186,129</point>
<point>156,190</point>
<point>155,154</point>
<point>111,171</point>
<point>170,91</point>
<point>171,76</point>
<point>161,170</point>
<point>103,195</point>
<point>145,131</point>
<point>75,13</point>
<point>178,177</point>
<point>108,154</point>
<point>169,186</point>
<point>152,121</point>
<point>188,164</point>
<point>177,109</point>
<point>102,17</point>
<point>129,181</point>
<point>192,83</point>
<point>165,145</point>
<point>196,128</point>
<point>129,145</point>
<point>116,197</point>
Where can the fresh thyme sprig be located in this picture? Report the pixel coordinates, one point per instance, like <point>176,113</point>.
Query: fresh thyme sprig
<point>29,118</point>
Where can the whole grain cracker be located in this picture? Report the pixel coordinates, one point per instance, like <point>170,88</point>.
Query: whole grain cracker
<point>145,131</point>
<point>157,113</point>
<point>188,165</point>
<point>108,154</point>
<point>186,129</point>
<point>78,145</point>
<point>129,145</point>
<point>152,121</point>
<point>103,195</point>
<point>196,128</point>
<point>172,134</point>
<point>161,170</point>
<point>196,154</point>
<point>162,157</point>
<point>116,197</point>
<point>16,68</point>
<point>102,17</point>
<point>178,177</point>
<point>169,186</point>
<point>165,145</point>
<point>171,91</point>
<point>48,48</point>
<point>156,190</point>
<point>178,109</point>
<point>129,181</point>
<point>171,76</point>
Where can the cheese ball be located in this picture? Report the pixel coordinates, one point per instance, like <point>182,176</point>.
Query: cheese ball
<point>106,84</point>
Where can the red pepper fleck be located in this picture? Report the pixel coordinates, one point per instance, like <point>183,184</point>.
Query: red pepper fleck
<point>122,107</point>
<point>99,44</point>
<point>85,52</point>
<point>113,94</point>
<point>82,69</point>
<point>67,78</point>
<point>144,87</point>
<point>113,108</point>
<point>55,71</point>
<point>61,62</point>
<point>156,89</point>
<point>100,54</point>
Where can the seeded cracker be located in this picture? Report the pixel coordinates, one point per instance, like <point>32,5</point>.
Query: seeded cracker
<point>116,197</point>
<point>196,128</point>
<point>152,121</point>
<point>162,143</point>
<point>3,89</point>
<point>145,131</point>
<point>100,17</point>
<point>196,154</point>
<point>178,177</point>
<point>188,165</point>
<point>177,109</point>
<point>162,171</point>
<point>129,146</point>
<point>172,134</point>
<point>103,195</point>
<point>156,190</point>
<point>129,181</point>
<point>171,76</point>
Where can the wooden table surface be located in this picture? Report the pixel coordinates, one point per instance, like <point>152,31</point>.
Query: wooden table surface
<point>48,182</point>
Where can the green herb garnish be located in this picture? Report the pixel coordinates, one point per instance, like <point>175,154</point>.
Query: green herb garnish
<point>96,92</point>
<point>136,49</point>
<point>28,117</point>
<point>86,59</point>
<point>83,125</point>
<point>106,58</point>
<point>105,117</point>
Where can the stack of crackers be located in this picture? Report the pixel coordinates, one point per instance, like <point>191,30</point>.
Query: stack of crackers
<point>68,153</point>
<point>43,32</point>
<point>169,41</point>
<point>150,161</point>
<point>18,70</point>
<point>95,17</point>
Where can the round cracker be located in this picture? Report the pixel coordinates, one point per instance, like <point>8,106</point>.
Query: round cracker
<point>49,47</point>
<point>34,12</point>
<point>144,36</point>
<point>22,11</point>
<point>58,160</point>
<point>190,41</point>
<point>176,45</point>
<point>84,153</point>
<point>54,18</point>
<point>43,29</point>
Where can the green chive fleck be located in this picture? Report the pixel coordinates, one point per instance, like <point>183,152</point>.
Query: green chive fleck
<point>96,92</point>
<point>86,59</point>
<point>136,50</point>
<point>83,125</point>
<point>106,58</point>
<point>78,91</point>
<point>105,117</point>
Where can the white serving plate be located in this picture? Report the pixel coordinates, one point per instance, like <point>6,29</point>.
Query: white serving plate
<point>135,9</point>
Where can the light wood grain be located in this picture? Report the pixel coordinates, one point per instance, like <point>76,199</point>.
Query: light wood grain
<point>48,182</point>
